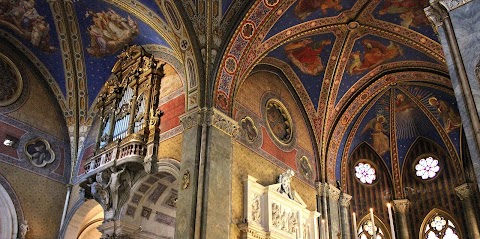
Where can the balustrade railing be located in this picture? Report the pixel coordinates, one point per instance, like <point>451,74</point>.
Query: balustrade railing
<point>127,150</point>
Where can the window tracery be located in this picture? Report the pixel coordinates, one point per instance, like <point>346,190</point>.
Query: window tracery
<point>365,231</point>
<point>427,168</point>
<point>365,172</point>
<point>440,227</point>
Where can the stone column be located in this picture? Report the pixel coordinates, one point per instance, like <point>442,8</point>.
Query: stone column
<point>464,192</point>
<point>344,215</point>
<point>444,14</point>
<point>330,195</point>
<point>401,207</point>
<point>204,200</point>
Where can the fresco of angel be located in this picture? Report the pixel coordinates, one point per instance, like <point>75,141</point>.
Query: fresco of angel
<point>23,18</point>
<point>410,11</point>
<point>304,8</point>
<point>380,141</point>
<point>306,55</point>
<point>375,53</point>
<point>451,119</point>
<point>109,32</point>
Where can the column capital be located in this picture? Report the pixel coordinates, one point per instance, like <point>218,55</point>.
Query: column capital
<point>328,190</point>
<point>464,191</point>
<point>401,205</point>
<point>453,4</point>
<point>435,14</point>
<point>345,200</point>
<point>209,117</point>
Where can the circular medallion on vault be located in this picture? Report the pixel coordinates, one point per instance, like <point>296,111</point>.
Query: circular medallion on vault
<point>279,121</point>
<point>11,83</point>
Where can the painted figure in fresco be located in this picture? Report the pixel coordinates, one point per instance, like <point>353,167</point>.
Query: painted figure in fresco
<point>306,7</point>
<point>380,141</point>
<point>404,110</point>
<point>22,17</point>
<point>451,119</point>
<point>375,54</point>
<point>306,55</point>
<point>249,128</point>
<point>410,11</point>
<point>109,32</point>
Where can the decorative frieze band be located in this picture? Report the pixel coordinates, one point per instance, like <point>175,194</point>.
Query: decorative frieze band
<point>210,117</point>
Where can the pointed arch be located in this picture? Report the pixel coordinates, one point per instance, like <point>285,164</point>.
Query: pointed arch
<point>437,215</point>
<point>374,195</point>
<point>363,225</point>
<point>436,192</point>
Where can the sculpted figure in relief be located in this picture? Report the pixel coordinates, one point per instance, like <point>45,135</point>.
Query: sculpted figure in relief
<point>24,229</point>
<point>292,223</point>
<point>276,215</point>
<point>285,179</point>
<point>256,209</point>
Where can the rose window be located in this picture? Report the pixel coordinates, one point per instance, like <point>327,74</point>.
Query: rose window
<point>365,173</point>
<point>427,168</point>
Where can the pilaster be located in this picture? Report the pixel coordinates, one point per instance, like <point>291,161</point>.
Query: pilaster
<point>205,195</point>
<point>330,196</point>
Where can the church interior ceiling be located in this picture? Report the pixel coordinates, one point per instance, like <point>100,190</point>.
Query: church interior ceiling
<point>364,71</point>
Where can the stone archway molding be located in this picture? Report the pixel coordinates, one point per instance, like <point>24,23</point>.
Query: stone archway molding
<point>8,218</point>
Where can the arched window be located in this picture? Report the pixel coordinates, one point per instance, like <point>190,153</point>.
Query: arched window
<point>438,225</point>
<point>365,230</point>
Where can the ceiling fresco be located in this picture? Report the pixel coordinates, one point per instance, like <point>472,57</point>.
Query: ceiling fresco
<point>346,54</point>
<point>105,30</point>
<point>366,71</point>
<point>32,24</point>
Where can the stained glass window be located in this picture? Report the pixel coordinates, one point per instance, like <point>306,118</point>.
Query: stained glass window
<point>439,227</point>
<point>365,231</point>
<point>365,173</point>
<point>427,168</point>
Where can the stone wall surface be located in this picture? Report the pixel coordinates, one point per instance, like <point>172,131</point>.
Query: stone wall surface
<point>41,200</point>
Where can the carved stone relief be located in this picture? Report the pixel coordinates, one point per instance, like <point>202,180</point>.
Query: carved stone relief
<point>256,209</point>
<point>270,213</point>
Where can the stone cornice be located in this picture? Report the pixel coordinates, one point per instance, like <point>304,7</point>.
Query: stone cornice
<point>401,205</point>
<point>209,117</point>
<point>464,191</point>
